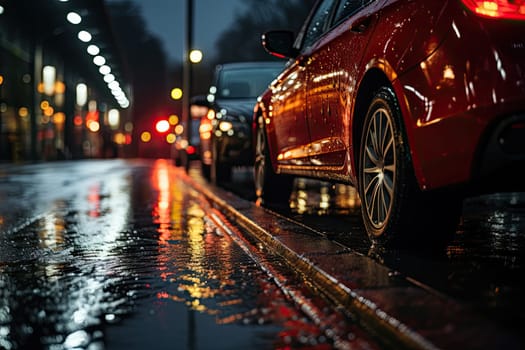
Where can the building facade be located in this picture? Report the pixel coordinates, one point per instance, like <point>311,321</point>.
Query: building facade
<point>63,91</point>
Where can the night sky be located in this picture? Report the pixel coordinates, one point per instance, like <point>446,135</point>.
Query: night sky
<point>165,19</point>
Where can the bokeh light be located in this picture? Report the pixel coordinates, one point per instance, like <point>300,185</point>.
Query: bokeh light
<point>176,93</point>
<point>162,126</point>
<point>145,136</point>
<point>195,56</point>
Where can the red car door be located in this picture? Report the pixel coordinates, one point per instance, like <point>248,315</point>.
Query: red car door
<point>288,127</point>
<point>333,73</point>
<point>289,97</point>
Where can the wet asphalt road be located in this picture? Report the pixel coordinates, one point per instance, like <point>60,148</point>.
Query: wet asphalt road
<point>115,254</point>
<point>482,267</point>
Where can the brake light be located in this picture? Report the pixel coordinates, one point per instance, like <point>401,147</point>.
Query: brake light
<point>506,9</point>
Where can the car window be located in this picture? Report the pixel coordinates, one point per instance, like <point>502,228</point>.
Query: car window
<point>348,7</point>
<point>246,82</point>
<point>318,22</point>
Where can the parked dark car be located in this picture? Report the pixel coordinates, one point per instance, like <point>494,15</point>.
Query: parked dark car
<point>184,151</point>
<point>416,103</point>
<point>232,98</point>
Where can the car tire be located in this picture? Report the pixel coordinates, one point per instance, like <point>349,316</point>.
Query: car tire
<point>206,171</point>
<point>177,161</point>
<point>393,207</point>
<point>219,172</point>
<point>269,186</point>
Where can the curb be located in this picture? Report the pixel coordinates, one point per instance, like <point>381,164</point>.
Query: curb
<point>403,313</point>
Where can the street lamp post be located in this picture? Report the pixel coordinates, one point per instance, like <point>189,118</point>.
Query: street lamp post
<point>187,71</point>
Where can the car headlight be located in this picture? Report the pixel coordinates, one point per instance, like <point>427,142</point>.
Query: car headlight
<point>225,126</point>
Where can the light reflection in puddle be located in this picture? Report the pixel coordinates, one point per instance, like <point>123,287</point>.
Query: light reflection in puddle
<point>66,288</point>
<point>140,245</point>
<point>314,197</point>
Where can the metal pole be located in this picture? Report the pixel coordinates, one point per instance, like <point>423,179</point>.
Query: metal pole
<point>186,72</point>
<point>35,148</point>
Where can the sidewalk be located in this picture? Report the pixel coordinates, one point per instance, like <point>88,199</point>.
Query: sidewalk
<point>386,303</point>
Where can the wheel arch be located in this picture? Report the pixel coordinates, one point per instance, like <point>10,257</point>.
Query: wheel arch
<point>257,112</point>
<point>381,75</point>
<point>372,81</point>
<point>260,111</point>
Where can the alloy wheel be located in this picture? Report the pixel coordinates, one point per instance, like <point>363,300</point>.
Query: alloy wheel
<point>379,168</point>
<point>260,162</point>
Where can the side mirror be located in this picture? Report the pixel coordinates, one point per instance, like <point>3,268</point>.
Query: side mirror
<point>279,43</point>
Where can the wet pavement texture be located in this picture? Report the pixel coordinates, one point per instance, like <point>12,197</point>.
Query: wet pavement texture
<point>116,254</point>
<point>482,267</point>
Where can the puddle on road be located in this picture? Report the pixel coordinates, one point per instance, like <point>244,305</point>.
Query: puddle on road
<point>135,262</point>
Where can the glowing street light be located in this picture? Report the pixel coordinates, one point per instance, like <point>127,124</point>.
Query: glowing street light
<point>113,118</point>
<point>93,50</point>
<point>162,126</point>
<point>104,69</point>
<point>195,56</point>
<point>108,78</point>
<point>81,94</point>
<point>49,77</point>
<point>73,18</point>
<point>176,93</point>
<point>145,136</point>
<point>84,36</point>
<point>99,60</point>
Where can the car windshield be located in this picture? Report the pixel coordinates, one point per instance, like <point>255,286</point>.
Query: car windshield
<point>245,82</point>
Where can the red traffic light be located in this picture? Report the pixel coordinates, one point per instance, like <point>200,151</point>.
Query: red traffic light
<point>162,126</point>
<point>190,150</point>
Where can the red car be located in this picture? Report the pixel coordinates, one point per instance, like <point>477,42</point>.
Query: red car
<point>416,103</point>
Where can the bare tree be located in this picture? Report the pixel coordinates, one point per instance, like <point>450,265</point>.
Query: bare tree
<point>242,41</point>
<point>146,60</point>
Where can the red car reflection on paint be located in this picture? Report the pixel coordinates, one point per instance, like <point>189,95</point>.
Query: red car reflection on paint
<point>416,103</point>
